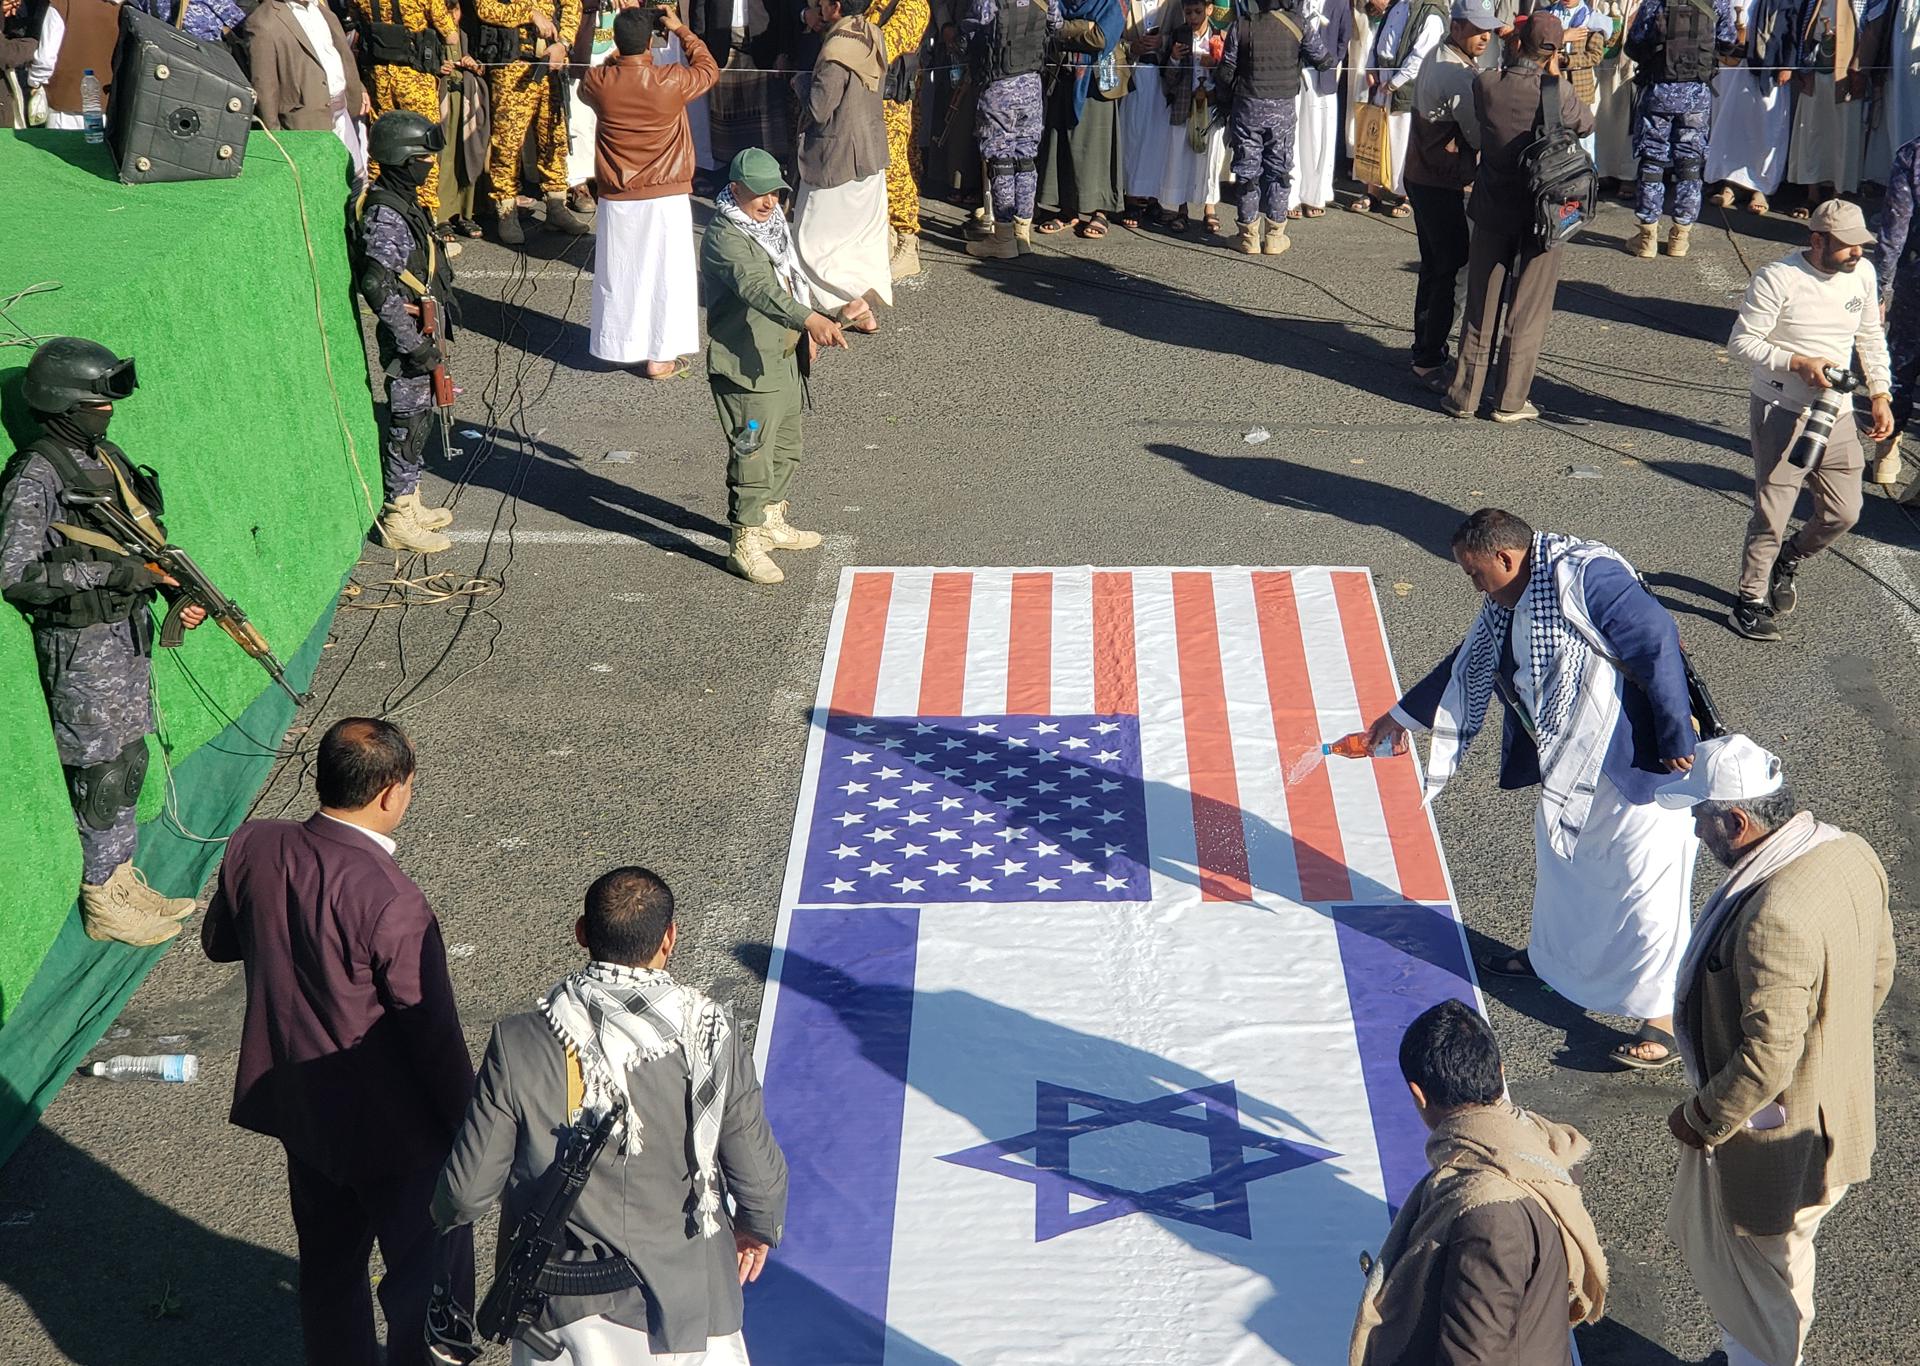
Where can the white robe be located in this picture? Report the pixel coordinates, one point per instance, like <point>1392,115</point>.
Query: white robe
<point>1316,112</point>
<point>598,1341</point>
<point>1611,924</point>
<point>1752,121</point>
<point>1144,129</point>
<point>1829,139</point>
<point>841,237</point>
<point>646,292</point>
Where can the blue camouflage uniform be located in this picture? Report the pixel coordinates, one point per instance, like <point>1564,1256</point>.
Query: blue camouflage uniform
<point>96,677</point>
<point>207,20</point>
<point>390,242</point>
<point>1263,132</point>
<point>1012,119</point>
<point>1899,267</point>
<point>1673,120</point>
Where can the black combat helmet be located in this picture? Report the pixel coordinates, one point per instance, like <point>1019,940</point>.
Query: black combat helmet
<point>401,135</point>
<point>70,371</point>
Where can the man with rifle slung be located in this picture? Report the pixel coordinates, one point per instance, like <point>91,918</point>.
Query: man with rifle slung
<point>636,1258</point>
<point>88,604</point>
<point>406,280</point>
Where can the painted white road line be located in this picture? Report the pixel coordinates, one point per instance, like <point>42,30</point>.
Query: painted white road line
<point>480,535</point>
<point>1890,564</point>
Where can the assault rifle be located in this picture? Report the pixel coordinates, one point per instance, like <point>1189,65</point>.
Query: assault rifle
<point>145,539</point>
<point>442,381</point>
<point>516,1299</point>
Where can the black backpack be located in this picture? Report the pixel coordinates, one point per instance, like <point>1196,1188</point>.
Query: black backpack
<point>1561,182</point>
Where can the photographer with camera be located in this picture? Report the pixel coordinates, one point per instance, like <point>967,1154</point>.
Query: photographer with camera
<point>1803,320</point>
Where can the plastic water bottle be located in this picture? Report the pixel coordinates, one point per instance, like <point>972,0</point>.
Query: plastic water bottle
<point>152,1067</point>
<point>1354,746</point>
<point>93,107</point>
<point>747,440</point>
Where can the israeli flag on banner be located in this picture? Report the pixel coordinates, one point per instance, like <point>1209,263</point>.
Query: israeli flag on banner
<point>1082,1026</point>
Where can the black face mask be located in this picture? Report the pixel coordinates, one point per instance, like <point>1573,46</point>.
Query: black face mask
<point>407,176</point>
<point>81,427</point>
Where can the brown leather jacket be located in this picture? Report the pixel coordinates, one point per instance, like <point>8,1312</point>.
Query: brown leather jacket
<point>643,147</point>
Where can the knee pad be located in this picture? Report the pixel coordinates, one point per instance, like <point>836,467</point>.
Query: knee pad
<point>1651,171</point>
<point>1688,170</point>
<point>100,792</point>
<point>416,428</point>
<point>997,166</point>
<point>1023,165</point>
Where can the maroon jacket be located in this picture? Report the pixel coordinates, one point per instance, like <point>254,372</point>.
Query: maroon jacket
<point>351,1054</point>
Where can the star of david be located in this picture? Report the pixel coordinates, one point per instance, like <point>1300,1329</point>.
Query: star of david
<point>1216,1200</point>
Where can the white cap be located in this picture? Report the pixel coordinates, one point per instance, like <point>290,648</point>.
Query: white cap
<point>1729,768</point>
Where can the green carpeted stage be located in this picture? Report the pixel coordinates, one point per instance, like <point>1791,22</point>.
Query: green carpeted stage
<point>235,298</point>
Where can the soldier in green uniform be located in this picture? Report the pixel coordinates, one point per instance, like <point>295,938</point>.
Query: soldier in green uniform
<point>763,333</point>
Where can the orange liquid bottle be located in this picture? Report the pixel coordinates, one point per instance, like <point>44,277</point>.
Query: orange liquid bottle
<point>1354,746</point>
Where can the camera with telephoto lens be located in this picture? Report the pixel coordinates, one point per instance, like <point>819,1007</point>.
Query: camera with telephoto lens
<point>1811,448</point>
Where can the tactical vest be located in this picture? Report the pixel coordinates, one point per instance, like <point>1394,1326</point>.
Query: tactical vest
<point>1401,101</point>
<point>98,606</point>
<point>1017,43</point>
<point>495,45</point>
<point>426,264</point>
<point>1267,65</point>
<point>391,43</point>
<point>1688,54</point>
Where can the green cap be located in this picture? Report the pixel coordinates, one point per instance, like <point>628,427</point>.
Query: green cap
<point>758,171</point>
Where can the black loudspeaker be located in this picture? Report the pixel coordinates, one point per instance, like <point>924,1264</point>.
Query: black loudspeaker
<point>180,108</point>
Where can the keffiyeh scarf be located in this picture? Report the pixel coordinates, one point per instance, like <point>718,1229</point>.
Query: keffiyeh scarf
<point>1576,703</point>
<point>773,237</point>
<point>612,1018</point>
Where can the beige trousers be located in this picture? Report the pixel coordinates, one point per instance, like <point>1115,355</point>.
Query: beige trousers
<point>1760,1288</point>
<point>1834,484</point>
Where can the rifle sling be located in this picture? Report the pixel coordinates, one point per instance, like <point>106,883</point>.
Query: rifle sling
<point>98,540</point>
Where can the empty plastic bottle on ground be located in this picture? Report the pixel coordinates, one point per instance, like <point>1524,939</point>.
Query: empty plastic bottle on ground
<point>1354,746</point>
<point>152,1067</point>
<point>93,107</point>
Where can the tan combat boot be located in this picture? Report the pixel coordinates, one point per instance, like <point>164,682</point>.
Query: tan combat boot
<point>905,262</point>
<point>1677,238</point>
<point>1023,236</point>
<point>1277,239</point>
<point>431,518</point>
<point>1886,462</point>
<point>399,528</point>
<point>784,535</point>
<point>123,910</point>
<point>998,246</point>
<point>1645,241</point>
<point>747,555</point>
<point>1250,237</point>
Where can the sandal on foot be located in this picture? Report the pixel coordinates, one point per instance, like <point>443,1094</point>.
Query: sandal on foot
<point>1313,211</point>
<point>1508,965</point>
<point>1361,204</point>
<point>1178,223</point>
<point>1626,1057</point>
<point>1053,225</point>
<point>678,371</point>
<point>1095,227</point>
<point>1800,211</point>
<point>1212,222</point>
<point>1294,215</point>
<point>1399,210</point>
<point>1758,204</point>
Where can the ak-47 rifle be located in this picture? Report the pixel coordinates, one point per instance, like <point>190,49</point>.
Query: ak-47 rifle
<point>514,1302</point>
<point>442,381</point>
<point>141,536</point>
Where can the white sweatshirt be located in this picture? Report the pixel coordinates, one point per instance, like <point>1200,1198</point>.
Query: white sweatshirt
<point>1790,308</point>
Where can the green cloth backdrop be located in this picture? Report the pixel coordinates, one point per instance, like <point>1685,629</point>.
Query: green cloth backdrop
<point>271,474</point>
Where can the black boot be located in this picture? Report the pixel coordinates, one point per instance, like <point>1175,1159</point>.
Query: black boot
<point>1754,620</point>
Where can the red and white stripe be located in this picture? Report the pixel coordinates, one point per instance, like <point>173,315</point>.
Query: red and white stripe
<point>1245,671</point>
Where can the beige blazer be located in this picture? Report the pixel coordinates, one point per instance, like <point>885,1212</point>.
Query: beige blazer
<point>288,80</point>
<point>1781,1007</point>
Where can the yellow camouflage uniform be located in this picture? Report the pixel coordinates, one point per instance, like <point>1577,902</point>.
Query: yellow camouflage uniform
<point>401,87</point>
<point>901,34</point>
<point>523,97</point>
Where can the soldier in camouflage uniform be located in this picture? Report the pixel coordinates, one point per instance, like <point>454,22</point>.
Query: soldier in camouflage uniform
<point>409,45</point>
<point>525,95</point>
<point>398,258</point>
<point>92,627</point>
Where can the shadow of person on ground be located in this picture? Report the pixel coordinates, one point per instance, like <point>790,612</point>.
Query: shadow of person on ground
<point>115,1277</point>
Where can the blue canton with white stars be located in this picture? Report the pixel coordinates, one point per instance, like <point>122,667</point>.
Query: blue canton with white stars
<point>924,810</point>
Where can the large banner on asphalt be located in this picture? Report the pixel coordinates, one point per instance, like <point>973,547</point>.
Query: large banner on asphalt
<point>1081,1028</point>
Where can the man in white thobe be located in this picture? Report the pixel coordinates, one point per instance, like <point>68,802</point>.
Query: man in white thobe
<point>1598,713</point>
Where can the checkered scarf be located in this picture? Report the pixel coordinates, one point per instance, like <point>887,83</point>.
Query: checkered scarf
<point>774,236</point>
<point>1576,703</point>
<point>613,1017</point>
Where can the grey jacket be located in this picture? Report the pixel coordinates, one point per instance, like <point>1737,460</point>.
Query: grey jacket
<point>636,1206</point>
<point>843,127</point>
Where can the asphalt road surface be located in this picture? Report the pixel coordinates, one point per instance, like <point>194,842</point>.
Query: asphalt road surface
<point>622,699</point>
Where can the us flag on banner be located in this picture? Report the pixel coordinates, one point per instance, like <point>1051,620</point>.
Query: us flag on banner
<point>1081,1030</point>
